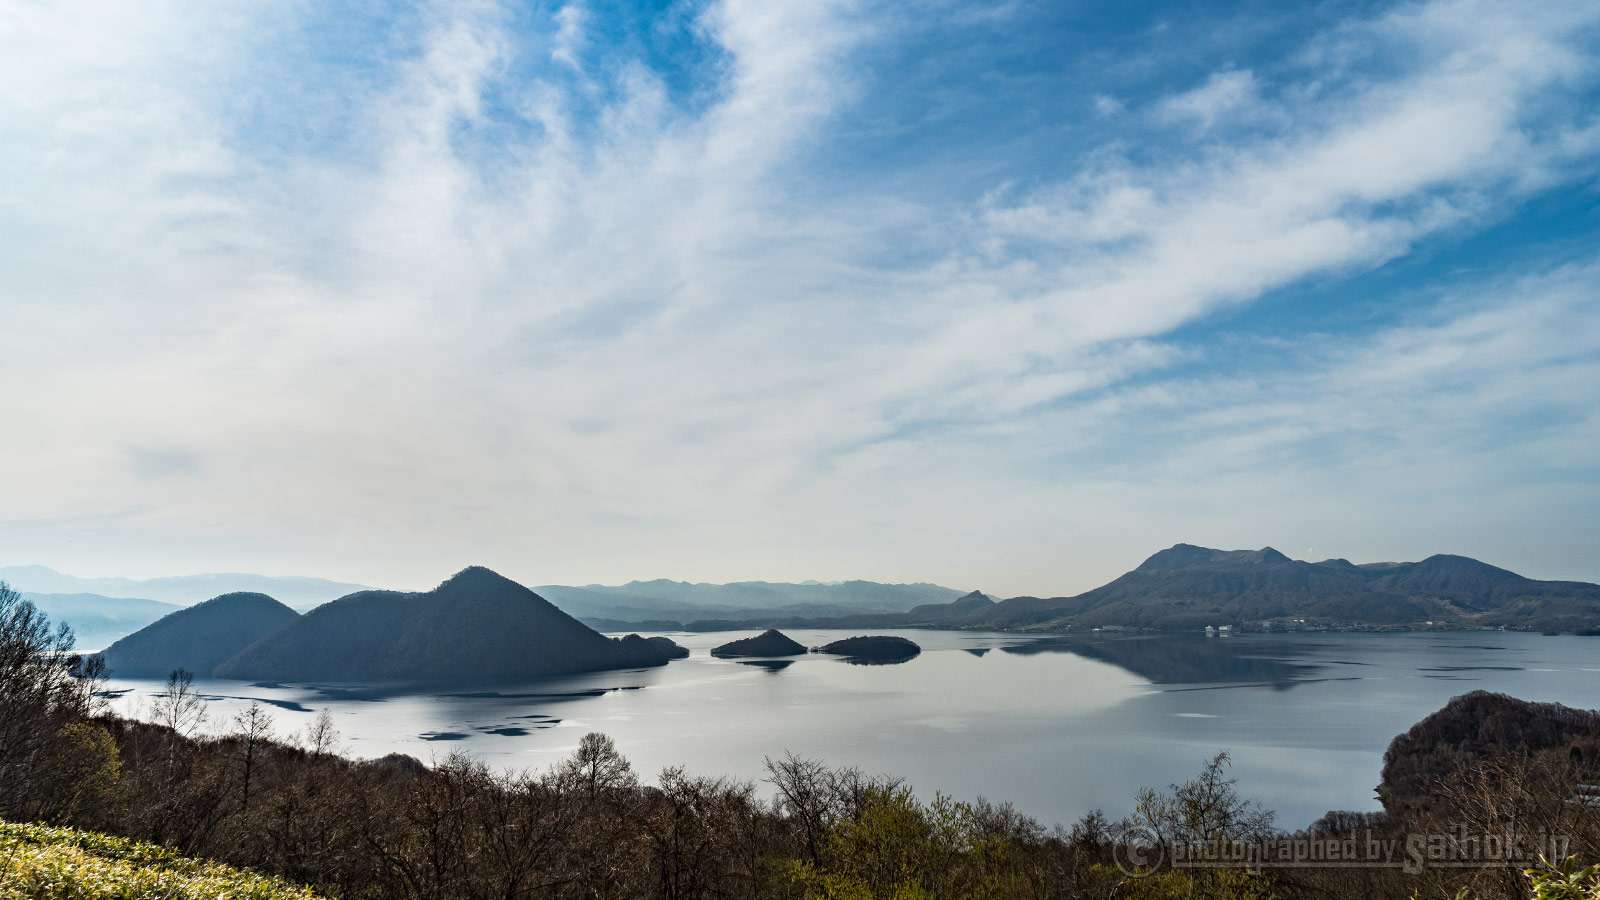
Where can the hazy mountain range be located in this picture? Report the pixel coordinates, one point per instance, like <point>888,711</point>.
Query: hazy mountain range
<point>1184,587</point>
<point>181,590</point>
<point>102,610</point>
<point>98,621</point>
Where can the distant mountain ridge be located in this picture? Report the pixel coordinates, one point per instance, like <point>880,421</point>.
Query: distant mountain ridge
<point>98,622</point>
<point>293,590</point>
<point>103,610</point>
<point>1187,587</point>
<point>682,601</point>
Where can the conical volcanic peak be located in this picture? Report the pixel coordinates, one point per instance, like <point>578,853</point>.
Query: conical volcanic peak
<point>771,642</point>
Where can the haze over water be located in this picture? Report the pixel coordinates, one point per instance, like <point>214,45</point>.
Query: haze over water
<point>1058,726</point>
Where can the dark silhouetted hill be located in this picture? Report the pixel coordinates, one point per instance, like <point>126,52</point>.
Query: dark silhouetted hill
<point>476,625</point>
<point>771,642</point>
<point>198,638</point>
<point>1478,725</point>
<point>669,647</point>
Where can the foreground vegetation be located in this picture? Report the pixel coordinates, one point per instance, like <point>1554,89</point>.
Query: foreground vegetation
<point>66,864</point>
<point>294,808</point>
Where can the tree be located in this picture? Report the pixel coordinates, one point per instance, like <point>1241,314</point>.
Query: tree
<point>253,730</point>
<point>597,768</point>
<point>84,772</point>
<point>806,791</point>
<point>1205,809</point>
<point>38,698</point>
<point>180,707</point>
<point>321,737</point>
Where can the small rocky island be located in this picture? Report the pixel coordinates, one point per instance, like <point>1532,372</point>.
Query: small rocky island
<point>871,649</point>
<point>771,642</point>
<point>668,646</point>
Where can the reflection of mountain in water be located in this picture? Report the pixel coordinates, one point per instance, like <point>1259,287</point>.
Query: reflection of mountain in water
<point>1180,659</point>
<point>771,665</point>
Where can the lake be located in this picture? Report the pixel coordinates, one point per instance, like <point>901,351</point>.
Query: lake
<point>1056,725</point>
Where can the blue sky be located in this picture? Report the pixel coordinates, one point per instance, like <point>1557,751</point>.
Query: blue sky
<point>1004,296</point>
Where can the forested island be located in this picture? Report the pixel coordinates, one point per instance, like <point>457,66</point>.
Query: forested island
<point>477,624</point>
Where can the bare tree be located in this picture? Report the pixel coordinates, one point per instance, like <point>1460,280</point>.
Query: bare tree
<point>806,792</point>
<point>321,736</point>
<point>1205,809</point>
<point>91,675</point>
<point>253,730</point>
<point>597,767</point>
<point>180,707</point>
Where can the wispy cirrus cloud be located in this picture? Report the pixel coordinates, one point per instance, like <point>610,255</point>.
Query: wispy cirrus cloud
<point>544,302</point>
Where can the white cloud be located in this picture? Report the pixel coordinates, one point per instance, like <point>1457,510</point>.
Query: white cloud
<point>1225,94</point>
<point>616,345</point>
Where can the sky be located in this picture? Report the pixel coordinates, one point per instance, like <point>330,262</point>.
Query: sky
<point>1003,296</point>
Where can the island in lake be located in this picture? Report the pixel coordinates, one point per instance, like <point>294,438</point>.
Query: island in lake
<point>477,624</point>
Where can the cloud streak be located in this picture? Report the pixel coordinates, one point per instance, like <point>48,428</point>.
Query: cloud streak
<point>534,305</point>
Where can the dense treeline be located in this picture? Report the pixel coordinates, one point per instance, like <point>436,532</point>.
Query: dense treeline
<point>294,807</point>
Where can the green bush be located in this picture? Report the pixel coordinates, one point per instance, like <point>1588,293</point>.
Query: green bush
<point>1566,882</point>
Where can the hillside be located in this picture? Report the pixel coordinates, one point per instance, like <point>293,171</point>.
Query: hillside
<point>476,625</point>
<point>197,638</point>
<point>38,861</point>
<point>1481,724</point>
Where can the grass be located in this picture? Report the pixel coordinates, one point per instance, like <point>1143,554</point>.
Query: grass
<point>67,864</point>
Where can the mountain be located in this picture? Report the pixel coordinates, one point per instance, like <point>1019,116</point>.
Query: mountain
<point>182,590</point>
<point>771,642</point>
<point>1186,588</point>
<point>660,601</point>
<point>98,621</point>
<point>197,638</point>
<point>975,605</point>
<point>477,624</point>
<point>682,601</point>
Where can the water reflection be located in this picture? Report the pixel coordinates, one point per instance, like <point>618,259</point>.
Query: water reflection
<point>874,661</point>
<point>771,665</point>
<point>1180,659</point>
<point>1024,724</point>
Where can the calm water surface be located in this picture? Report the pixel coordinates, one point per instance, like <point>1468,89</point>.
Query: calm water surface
<point>1057,726</point>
